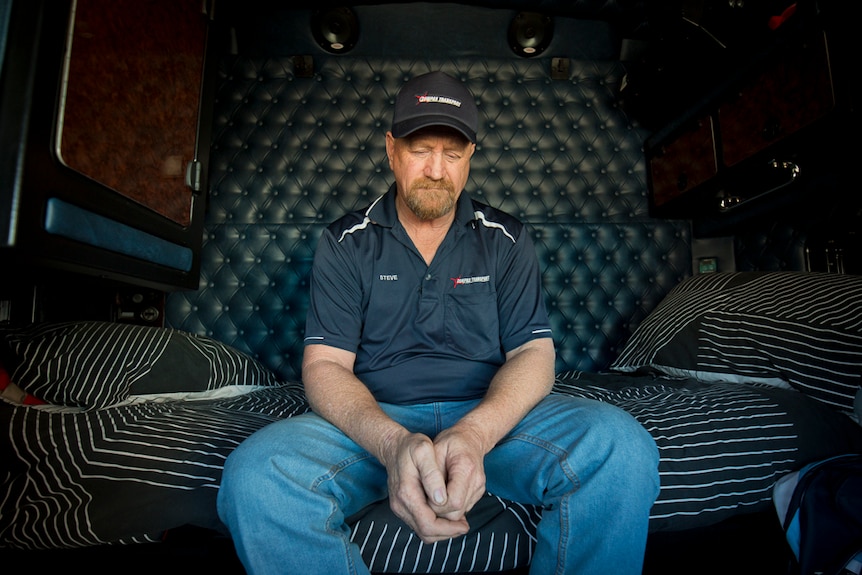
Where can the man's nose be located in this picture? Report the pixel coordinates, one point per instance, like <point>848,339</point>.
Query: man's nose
<point>434,167</point>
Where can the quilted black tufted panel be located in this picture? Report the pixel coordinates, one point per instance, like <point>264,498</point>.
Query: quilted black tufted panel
<point>291,154</point>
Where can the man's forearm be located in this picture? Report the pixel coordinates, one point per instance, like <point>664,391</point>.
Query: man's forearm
<point>521,383</point>
<point>337,395</point>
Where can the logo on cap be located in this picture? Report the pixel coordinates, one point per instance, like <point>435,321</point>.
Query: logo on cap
<point>428,99</point>
<point>434,99</point>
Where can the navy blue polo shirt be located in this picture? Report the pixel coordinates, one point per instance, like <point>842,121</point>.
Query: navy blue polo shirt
<point>426,333</point>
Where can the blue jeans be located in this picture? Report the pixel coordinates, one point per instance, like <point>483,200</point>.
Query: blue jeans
<point>287,489</point>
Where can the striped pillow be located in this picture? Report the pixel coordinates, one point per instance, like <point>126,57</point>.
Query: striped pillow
<point>789,328</point>
<point>94,364</point>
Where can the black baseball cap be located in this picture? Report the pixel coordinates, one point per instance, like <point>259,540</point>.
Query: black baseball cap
<point>435,99</point>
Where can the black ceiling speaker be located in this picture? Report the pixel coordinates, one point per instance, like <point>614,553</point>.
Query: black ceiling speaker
<point>530,33</point>
<point>335,29</point>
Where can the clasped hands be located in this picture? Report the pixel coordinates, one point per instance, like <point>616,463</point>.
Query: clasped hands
<point>433,484</point>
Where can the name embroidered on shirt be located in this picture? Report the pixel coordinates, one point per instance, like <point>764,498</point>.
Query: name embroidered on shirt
<point>472,280</point>
<point>388,277</point>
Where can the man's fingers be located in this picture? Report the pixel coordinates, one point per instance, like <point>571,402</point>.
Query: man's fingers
<point>463,472</point>
<point>442,529</point>
<point>430,474</point>
<point>465,486</point>
<point>416,484</point>
<point>430,528</point>
<point>416,512</point>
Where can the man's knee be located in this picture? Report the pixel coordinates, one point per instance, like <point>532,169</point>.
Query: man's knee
<point>614,440</point>
<point>631,447</point>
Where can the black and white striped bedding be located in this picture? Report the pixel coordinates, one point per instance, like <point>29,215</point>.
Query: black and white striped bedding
<point>798,328</point>
<point>131,472</point>
<point>134,467</point>
<point>123,474</point>
<point>95,364</point>
<point>502,538</point>
<point>721,445</point>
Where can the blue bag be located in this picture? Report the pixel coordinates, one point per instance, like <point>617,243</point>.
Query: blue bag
<point>820,508</point>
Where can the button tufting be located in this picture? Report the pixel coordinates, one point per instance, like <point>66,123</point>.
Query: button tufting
<point>275,160</point>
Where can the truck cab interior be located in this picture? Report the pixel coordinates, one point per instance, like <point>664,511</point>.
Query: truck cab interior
<point>168,166</point>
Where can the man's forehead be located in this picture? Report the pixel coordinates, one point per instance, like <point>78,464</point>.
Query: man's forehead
<point>452,137</point>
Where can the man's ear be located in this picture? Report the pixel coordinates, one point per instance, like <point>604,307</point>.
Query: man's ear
<point>390,147</point>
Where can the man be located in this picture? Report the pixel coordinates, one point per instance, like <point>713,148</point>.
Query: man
<point>428,366</point>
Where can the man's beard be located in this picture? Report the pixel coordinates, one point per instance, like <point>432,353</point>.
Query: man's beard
<point>430,200</point>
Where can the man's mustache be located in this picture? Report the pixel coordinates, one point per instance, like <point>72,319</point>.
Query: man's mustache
<point>432,185</point>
